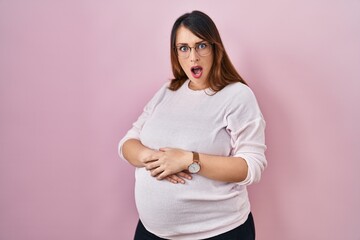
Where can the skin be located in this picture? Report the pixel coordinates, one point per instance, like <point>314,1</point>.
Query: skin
<point>185,37</point>
<point>140,156</point>
<point>172,163</point>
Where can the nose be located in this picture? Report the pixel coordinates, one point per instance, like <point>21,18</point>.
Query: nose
<point>194,55</point>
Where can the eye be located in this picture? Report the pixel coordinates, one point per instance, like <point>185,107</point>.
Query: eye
<point>183,48</point>
<point>202,46</point>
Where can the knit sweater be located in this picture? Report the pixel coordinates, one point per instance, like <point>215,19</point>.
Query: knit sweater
<point>228,123</point>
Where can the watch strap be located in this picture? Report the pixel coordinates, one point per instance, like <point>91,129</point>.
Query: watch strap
<point>196,157</point>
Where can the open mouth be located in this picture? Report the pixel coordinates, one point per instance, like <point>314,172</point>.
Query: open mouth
<point>196,71</point>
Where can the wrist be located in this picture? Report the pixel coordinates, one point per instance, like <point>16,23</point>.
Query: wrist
<point>188,160</point>
<point>194,166</point>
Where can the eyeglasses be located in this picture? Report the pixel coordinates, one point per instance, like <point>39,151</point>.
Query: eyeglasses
<point>203,49</point>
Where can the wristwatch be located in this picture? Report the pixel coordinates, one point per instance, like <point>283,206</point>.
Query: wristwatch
<point>194,167</point>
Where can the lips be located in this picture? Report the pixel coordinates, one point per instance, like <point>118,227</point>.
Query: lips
<point>196,71</point>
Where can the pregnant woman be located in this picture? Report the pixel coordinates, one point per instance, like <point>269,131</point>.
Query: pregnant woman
<point>198,143</point>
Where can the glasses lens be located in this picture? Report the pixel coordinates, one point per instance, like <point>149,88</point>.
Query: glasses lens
<point>203,49</point>
<point>183,51</point>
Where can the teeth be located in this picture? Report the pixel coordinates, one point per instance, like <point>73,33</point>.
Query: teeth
<point>196,70</point>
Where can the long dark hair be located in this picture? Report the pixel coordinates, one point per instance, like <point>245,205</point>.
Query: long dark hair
<point>222,72</point>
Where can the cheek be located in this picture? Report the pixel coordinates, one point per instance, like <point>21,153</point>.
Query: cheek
<point>183,64</point>
<point>209,64</point>
<point>211,60</point>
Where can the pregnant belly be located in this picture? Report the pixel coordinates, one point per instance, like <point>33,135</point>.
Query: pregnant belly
<point>163,205</point>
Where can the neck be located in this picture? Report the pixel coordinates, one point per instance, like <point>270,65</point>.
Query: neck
<point>197,86</point>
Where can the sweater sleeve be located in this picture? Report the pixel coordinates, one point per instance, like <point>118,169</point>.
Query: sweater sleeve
<point>134,132</point>
<point>246,126</point>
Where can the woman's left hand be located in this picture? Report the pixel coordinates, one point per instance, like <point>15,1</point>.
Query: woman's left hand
<point>172,161</point>
<point>179,177</point>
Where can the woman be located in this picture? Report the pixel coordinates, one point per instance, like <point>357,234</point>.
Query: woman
<point>205,131</point>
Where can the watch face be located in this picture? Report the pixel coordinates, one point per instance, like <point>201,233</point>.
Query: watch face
<point>194,168</point>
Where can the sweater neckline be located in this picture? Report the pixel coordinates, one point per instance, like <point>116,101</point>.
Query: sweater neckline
<point>207,91</point>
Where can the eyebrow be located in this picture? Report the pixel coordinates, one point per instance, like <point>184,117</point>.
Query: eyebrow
<point>202,41</point>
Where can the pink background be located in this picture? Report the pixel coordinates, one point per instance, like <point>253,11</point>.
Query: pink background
<point>75,74</point>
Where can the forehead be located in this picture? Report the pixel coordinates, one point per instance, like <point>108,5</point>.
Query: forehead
<point>184,35</point>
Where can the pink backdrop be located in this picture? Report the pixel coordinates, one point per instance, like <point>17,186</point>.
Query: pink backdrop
<point>75,74</point>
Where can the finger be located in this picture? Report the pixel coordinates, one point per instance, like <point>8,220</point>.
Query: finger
<point>177,179</point>
<point>156,172</point>
<point>170,179</point>
<point>162,175</point>
<point>153,157</point>
<point>184,175</point>
<point>152,165</point>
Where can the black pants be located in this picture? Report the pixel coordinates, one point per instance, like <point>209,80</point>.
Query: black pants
<point>246,231</point>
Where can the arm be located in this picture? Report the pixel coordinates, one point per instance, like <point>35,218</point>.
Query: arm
<point>226,169</point>
<point>136,153</point>
<point>139,156</point>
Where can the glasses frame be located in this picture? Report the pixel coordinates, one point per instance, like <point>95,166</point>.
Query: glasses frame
<point>196,50</point>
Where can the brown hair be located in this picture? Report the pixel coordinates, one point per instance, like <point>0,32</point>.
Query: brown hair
<point>222,72</point>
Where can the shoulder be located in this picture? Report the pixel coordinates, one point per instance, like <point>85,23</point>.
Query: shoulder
<point>159,95</point>
<point>239,93</point>
<point>237,88</point>
<point>164,88</point>
<point>241,101</point>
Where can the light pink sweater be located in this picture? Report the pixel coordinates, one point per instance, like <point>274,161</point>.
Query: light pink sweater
<point>228,123</point>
